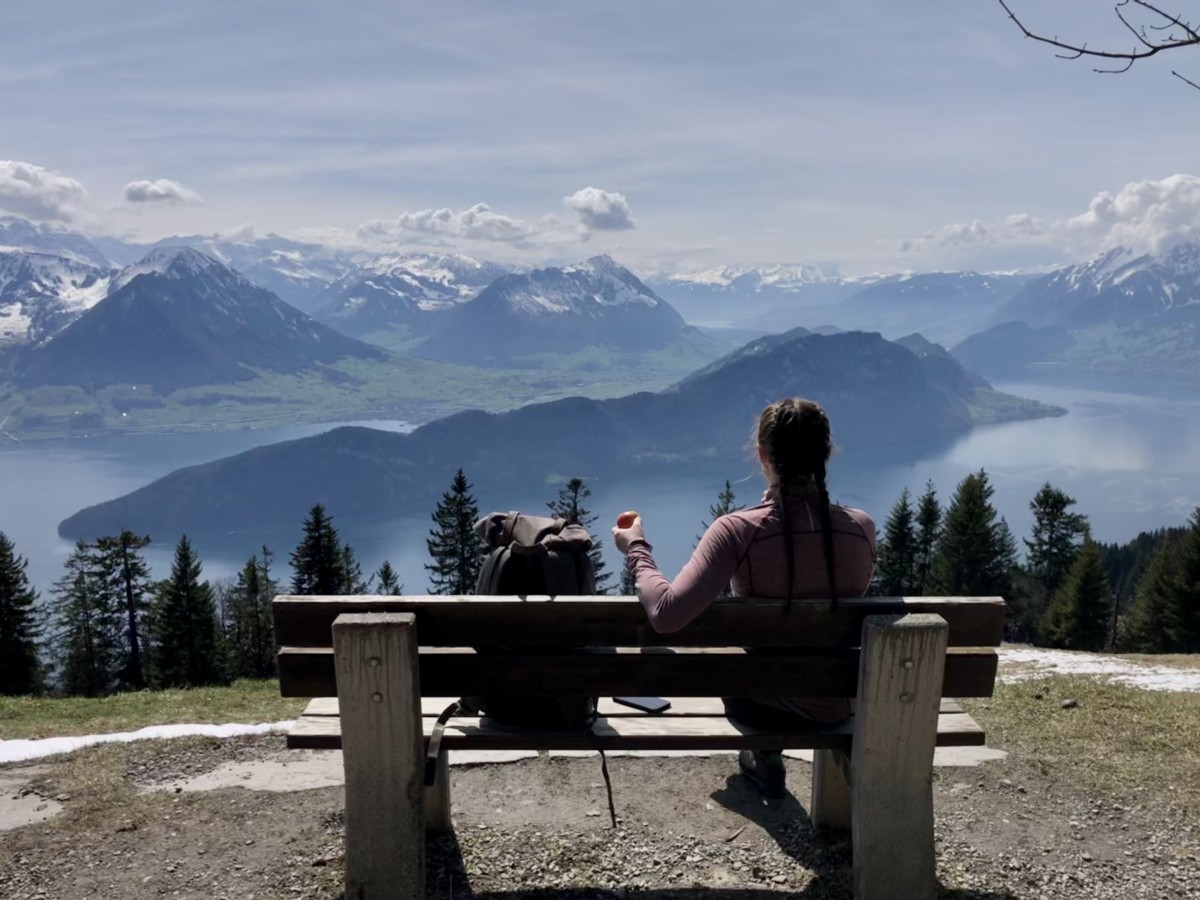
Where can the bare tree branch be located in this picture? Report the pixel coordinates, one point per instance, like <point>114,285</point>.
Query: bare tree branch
<point>1175,32</point>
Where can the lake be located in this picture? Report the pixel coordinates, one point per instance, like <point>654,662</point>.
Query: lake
<point>1132,462</point>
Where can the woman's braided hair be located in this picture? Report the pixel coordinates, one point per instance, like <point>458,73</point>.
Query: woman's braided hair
<point>795,434</point>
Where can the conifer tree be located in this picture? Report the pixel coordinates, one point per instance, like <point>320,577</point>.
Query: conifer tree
<point>1057,537</point>
<point>124,575</point>
<point>975,553</point>
<point>456,552</point>
<point>319,561</point>
<point>1078,615</point>
<point>387,581</point>
<point>250,628</point>
<point>726,503</point>
<point>1188,599</point>
<point>929,526</point>
<point>569,505</point>
<point>87,627</point>
<point>20,669</point>
<point>351,574</point>
<point>628,583</point>
<point>897,570</point>
<point>186,651</point>
<point>1154,624</point>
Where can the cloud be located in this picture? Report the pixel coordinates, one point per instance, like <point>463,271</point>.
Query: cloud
<point>37,193</point>
<point>160,191</point>
<point>476,223</point>
<point>600,210</point>
<point>1144,216</point>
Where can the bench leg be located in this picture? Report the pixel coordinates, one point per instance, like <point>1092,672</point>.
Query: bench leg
<point>830,790</point>
<point>899,691</point>
<point>437,797</point>
<point>379,698</point>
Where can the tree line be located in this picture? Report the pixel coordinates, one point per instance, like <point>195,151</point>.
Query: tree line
<point>1068,591</point>
<point>109,627</point>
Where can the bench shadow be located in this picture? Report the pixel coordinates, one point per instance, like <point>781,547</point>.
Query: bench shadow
<point>825,855</point>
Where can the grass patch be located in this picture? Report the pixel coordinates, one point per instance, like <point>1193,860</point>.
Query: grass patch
<point>1119,740</point>
<point>244,701</point>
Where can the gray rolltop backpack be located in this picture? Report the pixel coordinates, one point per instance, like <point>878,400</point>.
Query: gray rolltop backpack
<point>535,555</point>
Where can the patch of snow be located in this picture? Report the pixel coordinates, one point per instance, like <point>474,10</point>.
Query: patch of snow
<point>1036,662</point>
<point>21,750</point>
<point>14,324</point>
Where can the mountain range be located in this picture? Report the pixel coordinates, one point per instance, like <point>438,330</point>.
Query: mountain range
<point>1120,315</point>
<point>884,401</point>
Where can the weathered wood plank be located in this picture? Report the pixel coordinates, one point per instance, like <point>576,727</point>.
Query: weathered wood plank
<point>896,725</point>
<point>308,672</point>
<point>680,706</point>
<point>304,621</point>
<point>379,695</point>
<point>691,732</point>
<point>437,797</point>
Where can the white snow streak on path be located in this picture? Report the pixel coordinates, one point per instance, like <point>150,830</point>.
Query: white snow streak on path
<point>1035,662</point>
<point>19,751</point>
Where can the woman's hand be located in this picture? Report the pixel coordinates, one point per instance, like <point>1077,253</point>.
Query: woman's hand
<point>627,530</point>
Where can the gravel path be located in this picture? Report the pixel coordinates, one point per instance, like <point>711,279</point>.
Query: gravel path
<point>689,828</point>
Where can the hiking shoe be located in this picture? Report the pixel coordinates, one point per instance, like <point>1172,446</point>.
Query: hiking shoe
<point>765,770</point>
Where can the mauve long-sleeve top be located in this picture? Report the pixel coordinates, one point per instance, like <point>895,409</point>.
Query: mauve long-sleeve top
<point>745,550</point>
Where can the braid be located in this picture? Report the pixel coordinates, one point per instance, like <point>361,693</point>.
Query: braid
<point>795,435</point>
<point>826,533</point>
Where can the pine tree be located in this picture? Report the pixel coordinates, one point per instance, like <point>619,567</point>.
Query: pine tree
<point>724,506</point>
<point>929,526</point>
<point>126,577</point>
<point>628,583</point>
<point>456,552</point>
<point>1188,598</point>
<point>1154,624</point>
<point>569,505</point>
<point>20,668</point>
<point>975,553</point>
<point>87,627</point>
<point>1057,537</point>
<point>898,550</point>
<point>186,650</point>
<point>386,580</point>
<point>1078,615</point>
<point>351,574</point>
<point>319,561</point>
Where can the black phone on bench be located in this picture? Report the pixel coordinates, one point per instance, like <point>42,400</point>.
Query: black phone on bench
<point>645,704</point>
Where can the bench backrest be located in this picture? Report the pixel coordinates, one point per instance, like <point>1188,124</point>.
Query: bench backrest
<point>810,649</point>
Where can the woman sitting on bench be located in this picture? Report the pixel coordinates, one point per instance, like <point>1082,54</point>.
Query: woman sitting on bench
<point>794,544</point>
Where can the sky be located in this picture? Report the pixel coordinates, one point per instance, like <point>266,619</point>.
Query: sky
<point>677,135</point>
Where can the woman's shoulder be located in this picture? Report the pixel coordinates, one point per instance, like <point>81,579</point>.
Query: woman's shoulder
<point>855,516</point>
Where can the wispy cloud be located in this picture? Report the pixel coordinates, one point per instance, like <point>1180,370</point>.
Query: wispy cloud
<point>37,193</point>
<point>599,210</point>
<point>160,191</point>
<point>1145,216</point>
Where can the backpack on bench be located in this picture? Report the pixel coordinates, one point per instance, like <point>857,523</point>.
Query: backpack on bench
<point>533,555</point>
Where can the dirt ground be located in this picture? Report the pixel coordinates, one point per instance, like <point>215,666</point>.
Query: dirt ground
<point>689,828</point>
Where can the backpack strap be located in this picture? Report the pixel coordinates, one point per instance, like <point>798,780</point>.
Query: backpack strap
<point>435,741</point>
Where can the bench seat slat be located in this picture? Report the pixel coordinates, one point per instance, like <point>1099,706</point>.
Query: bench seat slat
<point>662,732</point>
<point>680,706</point>
<point>309,672</point>
<point>305,621</point>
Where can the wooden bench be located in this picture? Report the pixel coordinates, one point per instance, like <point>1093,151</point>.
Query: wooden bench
<point>388,659</point>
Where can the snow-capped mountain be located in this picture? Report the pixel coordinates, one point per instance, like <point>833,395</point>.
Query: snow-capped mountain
<point>41,293</point>
<point>21,234</point>
<point>1116,317</point>
<point>295,271</point>
<point>746,295</point>
<point>557,310</point>
<point>402,294</point>
<point>1118,287</point>
<point>179,318</point>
